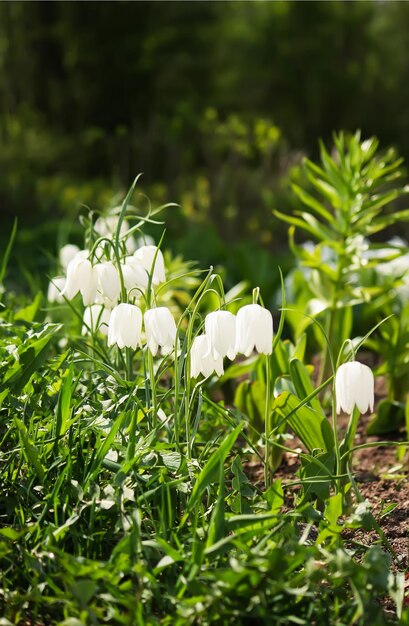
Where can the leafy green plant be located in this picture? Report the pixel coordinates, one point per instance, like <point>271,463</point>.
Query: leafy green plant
<point>127,497</point>
<point>351,191</point>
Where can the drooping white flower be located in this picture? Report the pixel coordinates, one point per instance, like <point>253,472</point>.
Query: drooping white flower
<point>106,226</point>
<point>109,284</point>
<point>55,287</point>
<point>67,253</point>
<point>354,385</point>
<point>146,257</point>
<point>201,359</point>
<point>134,274</point>
<point>254,329</point>
<point>125,326</point>
<point>160,328</point>
<point>130,244</point>
<point>81,276</point>
<point>144,240</point>
<point>96,317</point>
<point>220,329</point>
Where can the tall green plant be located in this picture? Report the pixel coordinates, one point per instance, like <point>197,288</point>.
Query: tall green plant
<point>350,198</point>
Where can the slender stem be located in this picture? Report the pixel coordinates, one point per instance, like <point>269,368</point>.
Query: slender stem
<point>187,391</point>
<point>332,316</point>
<point>267,426</point>
<point>203,290</point>
<point>153,389</point>
<point>336,442</point>
<point>129,364</point>
<point>176,389</point>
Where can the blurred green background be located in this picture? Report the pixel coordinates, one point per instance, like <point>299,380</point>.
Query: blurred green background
<point>215,102</point>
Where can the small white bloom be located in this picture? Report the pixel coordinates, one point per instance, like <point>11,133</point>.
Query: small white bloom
<point>81,276</point>
<point>109,284</point>
<point>107,226</point>
<point>354,385</point>
<point>146,256</point>
<point>125,326</point>
<point>96,317</point>
<point>144,240</point>
<point>160,328</point>
<point>67,253</point>
<point>220,329</point>
<point>55,287</point>
<point>130,244</point>
<point>201,359</point>
<point>254,330</point>
<point>134,274</point>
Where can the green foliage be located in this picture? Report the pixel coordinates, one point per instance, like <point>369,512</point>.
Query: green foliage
<point>127,493</point>
<point>349,201</point>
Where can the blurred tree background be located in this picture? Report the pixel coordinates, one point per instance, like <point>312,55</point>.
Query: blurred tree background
<point>215,102</point>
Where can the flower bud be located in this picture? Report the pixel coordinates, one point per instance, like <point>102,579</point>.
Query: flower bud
<point>160,328</point>
<point>221,334</point>
<point>125,326</point>
<point>354,385</point>
<point>201,359</point>
<point>254,330</point>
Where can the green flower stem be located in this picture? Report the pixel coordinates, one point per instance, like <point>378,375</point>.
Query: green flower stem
<point>154,398</point>
<point>200,294</point>
<point>325,356</point>
<point>336,442</point>
<point>268,427</point>
<point>129,363</point>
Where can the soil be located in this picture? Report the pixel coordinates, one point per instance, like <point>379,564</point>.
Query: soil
<point>382,479</point>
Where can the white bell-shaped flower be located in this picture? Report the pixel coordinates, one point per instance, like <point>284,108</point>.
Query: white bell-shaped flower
<point>220,327</point>
<point>134,274</point>
<point>144,240</point>
<point>146,255</point>
<point>81,276</point>
<point>96,317</point>
<point>160,329</point>
<point>130,244</point>
<point>67,253</point>
<point>254,329</point>
<point>354,385</point>
<point>125,326</point>
<point>106,226</point>
<point>201,359</point>
<point>55,287</point>
<point>109,284</point>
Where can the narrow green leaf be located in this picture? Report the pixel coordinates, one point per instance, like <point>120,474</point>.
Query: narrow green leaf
<point>211,470</point>
<point>216,525</point>
<point>303,385</point>
<point>63,411</point>
<point>30,451</point>
<point>313,203</point>
<point>5,259</point>
<point>296,221</point>
<point>312,427</point>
